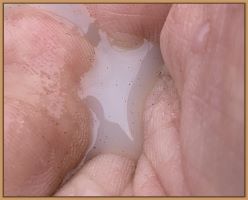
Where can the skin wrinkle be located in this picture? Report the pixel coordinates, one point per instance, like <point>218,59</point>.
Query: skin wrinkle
<point>92,178</point>
<point>177,55</point>
<point>215,108</point>
<point>74,188</point>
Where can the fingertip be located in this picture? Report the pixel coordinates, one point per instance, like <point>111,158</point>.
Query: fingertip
<point>125,21</point>
<point>104,175</point>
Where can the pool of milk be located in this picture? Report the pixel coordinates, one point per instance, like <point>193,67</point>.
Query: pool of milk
<point>116,86</point>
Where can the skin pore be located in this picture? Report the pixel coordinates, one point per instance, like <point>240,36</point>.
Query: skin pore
<point>193,118</point>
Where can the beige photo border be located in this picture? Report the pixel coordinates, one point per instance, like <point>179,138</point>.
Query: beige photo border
<point>113,1</point>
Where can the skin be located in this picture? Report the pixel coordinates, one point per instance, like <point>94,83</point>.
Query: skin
<point>194,116</point>
<point>46,126</point>
<point>209,76</point>
<point>128,24</point>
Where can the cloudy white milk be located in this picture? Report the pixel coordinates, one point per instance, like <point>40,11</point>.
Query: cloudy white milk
<point>116,86</point>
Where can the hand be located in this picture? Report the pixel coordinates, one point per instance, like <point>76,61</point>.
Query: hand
<point>194,117</point>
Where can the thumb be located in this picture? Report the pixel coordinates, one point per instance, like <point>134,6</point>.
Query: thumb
<point>46,130</point>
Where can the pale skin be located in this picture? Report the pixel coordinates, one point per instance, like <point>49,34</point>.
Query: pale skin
<point>194,116</point>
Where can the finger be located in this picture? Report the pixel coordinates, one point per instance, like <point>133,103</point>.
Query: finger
<point>104,175</point>
<point>146,182</point>
<point>46,127</point>
<point>128,24</point>
<point>161,142</point>
<point>203,47</point>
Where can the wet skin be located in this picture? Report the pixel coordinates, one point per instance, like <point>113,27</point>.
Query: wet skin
<point>193,120</point>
